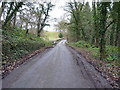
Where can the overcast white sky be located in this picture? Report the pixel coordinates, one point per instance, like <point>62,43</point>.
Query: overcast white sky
<point>58,12</point>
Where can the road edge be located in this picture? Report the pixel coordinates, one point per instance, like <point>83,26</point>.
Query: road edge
<point>113,83</point>
<point>7,69</point>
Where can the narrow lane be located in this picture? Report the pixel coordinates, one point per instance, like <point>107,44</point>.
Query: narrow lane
<point>55,69</point>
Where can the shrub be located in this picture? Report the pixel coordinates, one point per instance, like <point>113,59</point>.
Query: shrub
<point>82,44</point>
<point>111,51</point>
<point>15,44</point>
<point>60,35</point>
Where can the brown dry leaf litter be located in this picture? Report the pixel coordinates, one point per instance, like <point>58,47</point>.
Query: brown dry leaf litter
<point>110,72</point>
<point>6,69</point>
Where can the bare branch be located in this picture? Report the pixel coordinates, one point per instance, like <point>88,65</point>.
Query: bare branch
<point>109,25</point>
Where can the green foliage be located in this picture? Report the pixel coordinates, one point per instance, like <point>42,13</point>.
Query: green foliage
<point>60,35</point>
<point>16,45</point>
<point>111,51</point>
<point>80,24</point>
<point>82,44</point>
<point>95,52</point>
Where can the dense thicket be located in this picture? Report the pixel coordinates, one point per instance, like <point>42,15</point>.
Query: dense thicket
<point>98,24</point>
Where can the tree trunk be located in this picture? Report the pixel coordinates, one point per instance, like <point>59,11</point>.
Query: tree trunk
<point>26,27</point>
<point>117,34</point>
<point>10,15</point>
<point>118,24</point>
<point>38,33</point>
<point>103,20</point>
<point>77,34</point>
<point>21,25</point>
<point>27,30</point>
<point>83,34</point>
<point>2,9</point>
<point>14,21</point>
<point>112,34</point>
<point>102,47</point>
<point>93,39</point>
<point>38,24</point>
<point>119,48</point>
<point>97,41</point>
<point>96,32</point>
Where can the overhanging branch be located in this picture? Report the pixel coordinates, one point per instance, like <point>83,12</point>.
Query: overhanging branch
<point>109,25</point>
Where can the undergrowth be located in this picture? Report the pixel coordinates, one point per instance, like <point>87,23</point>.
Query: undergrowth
<point>16,44</point>
<point>111,51</point>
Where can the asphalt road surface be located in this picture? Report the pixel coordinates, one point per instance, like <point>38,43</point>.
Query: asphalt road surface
<point>60,67</point>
